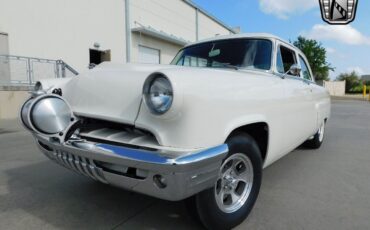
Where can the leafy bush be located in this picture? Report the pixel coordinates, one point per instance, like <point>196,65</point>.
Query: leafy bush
<point>353,82</point>
<point>316,56</point>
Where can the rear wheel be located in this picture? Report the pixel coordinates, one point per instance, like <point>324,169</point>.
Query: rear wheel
<point>316,141</point>
<point>235,192</point>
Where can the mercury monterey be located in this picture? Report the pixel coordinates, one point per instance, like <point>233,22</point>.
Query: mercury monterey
<point>201,129</point>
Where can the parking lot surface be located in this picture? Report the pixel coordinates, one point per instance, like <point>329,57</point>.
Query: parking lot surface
<point>327,188</point>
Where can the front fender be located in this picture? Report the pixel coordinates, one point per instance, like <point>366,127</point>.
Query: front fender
<point>214,103</point>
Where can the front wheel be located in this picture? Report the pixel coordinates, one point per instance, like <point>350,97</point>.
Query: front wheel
<point>235,192</point>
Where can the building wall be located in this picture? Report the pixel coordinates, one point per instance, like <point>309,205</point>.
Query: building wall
<point>11,102</point>
<point>65,29</point>
<point>209,28</point>
<point>4,65</point>
<point>172,17</point>
<point>336,88</point>
<point>365,78</point>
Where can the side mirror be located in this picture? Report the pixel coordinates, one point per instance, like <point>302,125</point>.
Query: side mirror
<point>295,70</point>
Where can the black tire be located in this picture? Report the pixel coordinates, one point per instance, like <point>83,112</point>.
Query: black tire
<point>207,209</point>
<point>317,140</point>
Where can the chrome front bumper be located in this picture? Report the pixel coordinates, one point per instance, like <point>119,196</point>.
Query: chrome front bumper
<point>153,173</point>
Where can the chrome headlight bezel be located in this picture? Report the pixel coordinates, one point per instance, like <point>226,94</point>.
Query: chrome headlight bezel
<point>158,94</point>
<point>48,115</point>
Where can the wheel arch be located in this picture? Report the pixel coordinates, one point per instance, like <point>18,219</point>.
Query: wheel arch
<point>259,131</point>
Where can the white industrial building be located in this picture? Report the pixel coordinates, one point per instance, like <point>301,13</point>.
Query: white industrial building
<point>144,31</point>
<point>50,38</point>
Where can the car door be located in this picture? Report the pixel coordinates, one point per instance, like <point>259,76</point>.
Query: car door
<point>307,76</point>
<point>298,105</point>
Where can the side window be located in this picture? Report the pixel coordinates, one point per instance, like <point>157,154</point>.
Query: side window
<point>305,73</point>
<point>285,59</point>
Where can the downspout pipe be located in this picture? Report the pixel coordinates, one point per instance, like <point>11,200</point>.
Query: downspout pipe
<point>196,24</point>
<point>128,31</point>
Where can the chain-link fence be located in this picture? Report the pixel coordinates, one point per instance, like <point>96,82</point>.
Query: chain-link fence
<point>17,70</point>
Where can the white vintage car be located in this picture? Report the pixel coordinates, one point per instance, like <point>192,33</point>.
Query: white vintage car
<point>201,129</point>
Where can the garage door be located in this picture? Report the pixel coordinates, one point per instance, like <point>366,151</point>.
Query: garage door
<point>149,55</point>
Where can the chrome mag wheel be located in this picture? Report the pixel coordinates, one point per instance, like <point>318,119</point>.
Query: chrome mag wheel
<point>234,184</point>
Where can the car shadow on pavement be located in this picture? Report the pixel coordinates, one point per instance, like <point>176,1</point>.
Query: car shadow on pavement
<point>45,195</point>
<point>5,131</point>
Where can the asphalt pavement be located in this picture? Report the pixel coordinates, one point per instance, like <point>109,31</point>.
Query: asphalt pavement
<point>327,188</point>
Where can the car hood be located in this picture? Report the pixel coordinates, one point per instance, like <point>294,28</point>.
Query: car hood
<point>114,91</point>
<point>110,91</point>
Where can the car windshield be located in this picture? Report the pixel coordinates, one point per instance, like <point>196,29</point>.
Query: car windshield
<point>232,53</point>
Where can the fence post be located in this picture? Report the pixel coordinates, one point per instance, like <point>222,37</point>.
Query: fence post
<point>63,70</point>
<point>58,68</point>
<point>29,71</point>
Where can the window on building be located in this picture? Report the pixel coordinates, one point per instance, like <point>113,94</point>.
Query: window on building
<point>149,55</point>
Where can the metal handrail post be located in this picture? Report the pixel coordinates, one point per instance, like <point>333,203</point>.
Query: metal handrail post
<point>63,70</point>
<point>59,63</point>
<point>29,71</point>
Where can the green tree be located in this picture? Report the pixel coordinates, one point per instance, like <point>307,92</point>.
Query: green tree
<point>316,56</point>
<point>353,82</point>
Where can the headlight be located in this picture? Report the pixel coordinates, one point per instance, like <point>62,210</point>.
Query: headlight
<point>158,94</point>
<point>50,115</point>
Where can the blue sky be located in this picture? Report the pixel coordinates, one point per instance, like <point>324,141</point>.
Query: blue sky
<point>348,47</point>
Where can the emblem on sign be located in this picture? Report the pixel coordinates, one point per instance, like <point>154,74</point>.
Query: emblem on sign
<point>338,12</point>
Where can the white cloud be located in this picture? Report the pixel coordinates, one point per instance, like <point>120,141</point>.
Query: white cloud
<point>285,8</point>
<point>357,69</point>
<point>331,50</point>
<point>342,33</point>
<point>334,52</point>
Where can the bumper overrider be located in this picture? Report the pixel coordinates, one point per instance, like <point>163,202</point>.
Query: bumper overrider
<point>158,173</point>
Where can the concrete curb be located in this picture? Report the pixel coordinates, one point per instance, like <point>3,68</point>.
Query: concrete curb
<point>350,98</point>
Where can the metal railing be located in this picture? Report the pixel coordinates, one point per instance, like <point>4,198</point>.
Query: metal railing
<point>19,70</point>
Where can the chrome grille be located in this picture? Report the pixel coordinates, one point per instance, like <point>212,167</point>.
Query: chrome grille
<point>127,136</point>
<point>78,164</point>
